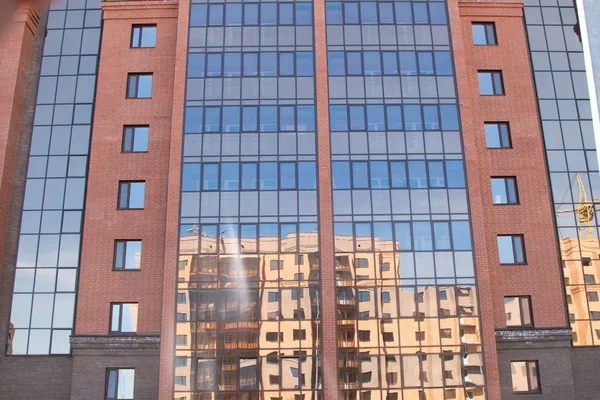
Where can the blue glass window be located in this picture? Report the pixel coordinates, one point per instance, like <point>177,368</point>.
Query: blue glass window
<point>287,118</point>
<point>403,13</point>
<point>193,120</point>
<point>230,176</point>
<point>210,177</point>
<point>304,14</point>
<point>268,176</point>
<point>443,63</point>
<point>398,170</point>
<point>190,177</point>
<point>286,14</point>
<point>425,63</point>
<point>232,64</point>
<point>394,118</point>
<point>268,118</point>
<point>335,63</point>
<point>268,64</point>
<point>233,14</point>
<point>212,120</point>
<point>249,176</point>
<point>307,175</point>
<point>372,62</point>
<point>287,175</point>
<point>213,64</point>
<point>306,118</point>
<point>441,232</point>
<point>215,16</point>
<point>196,65</point>
<point>379,175</point>
<point>338,118</point>
<point>455,173</point>
<point>231,119</point>
<point>334,13</point>
<point>412,118</point>
<point>360,175</point>
<point>408,63</point>
<point>351,13</point>
<point>353,59</point>
<point>198,15</point>
<point>403,236</point>
<point>357,118</point>
<point>422,235</point>
<point>286,64</point>
<point>250,14</point>
<point>386,13</point>
<point>341,174</point>
<point>390,63</point>
<point>268,13</point>
<point>375,117</point>
<point>368,12</point>
<point>449,117</point>
<point>461,235</point>
<point>436,174</point>
<point>250,64</point>
<point>250,119</point>
<point>420,13</point>
<point>430,113</point>
<point>438,13</point>
<point>417,174</point>
<point>304,63</point>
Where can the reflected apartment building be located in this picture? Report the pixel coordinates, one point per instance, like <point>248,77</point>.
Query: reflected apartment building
<point>298,199</point>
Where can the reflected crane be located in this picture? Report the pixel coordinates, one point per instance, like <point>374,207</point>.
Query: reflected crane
<point>585,209</point>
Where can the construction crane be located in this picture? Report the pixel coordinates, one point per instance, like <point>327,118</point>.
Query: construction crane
<point>585,209</point>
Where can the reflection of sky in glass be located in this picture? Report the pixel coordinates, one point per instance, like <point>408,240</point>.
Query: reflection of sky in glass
<point>126,380</point>
<point>505,250</point>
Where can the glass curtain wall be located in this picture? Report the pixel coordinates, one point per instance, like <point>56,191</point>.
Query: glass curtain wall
<point>43,300</point>
<point>407,309</point>
<point>248,287</point>
<point>565,112</point>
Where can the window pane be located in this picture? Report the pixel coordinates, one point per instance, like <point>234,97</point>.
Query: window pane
<point>144,86</point>
<point>268,176</point>
<point>379,175</point>
<point>335,63</point>
<point>485,83</point>
<point>360,177</point>
<point>505,250</point>
<point>126,384</point>
<point>398,170</point>
<point>230,176</point>
<point>249,176</point>
<point>129,317</point>
<point>210,177</point>
<point>519,376</point>
<point>133,254</point>
<point>288,175</point>
<point>499,191</point>
<point>136,194</point>
<point>479,36</point>
<point>341,174</point>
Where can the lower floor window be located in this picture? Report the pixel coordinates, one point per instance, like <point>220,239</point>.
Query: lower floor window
<point>525,376</point>
<point>119,383</point>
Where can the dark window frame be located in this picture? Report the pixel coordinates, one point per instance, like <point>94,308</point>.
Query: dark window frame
<point>141,28</point>
<point>513,236</point>
<point>120,327</point>
<point>504,136</point>
<point>491,37</point>
<point>127,206</point>
<point>497,82</point>
<point>528,307</point>
<point>537,376</point>
<point>107,396</point>
<point>124,258</point>
<point>509,201</point>
<point>133,79</point>
<point>129,131</point>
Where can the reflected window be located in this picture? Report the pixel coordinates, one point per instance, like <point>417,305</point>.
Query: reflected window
<point>511,249</point>
<point>484,33</point>
<point>139,86</point>
<point>128,254</point>
<point>504,190</point>
<point>131,195</point>
<point>518,311</point>
<point>120,383</point>
<point>135,139</point>
<point>497,135</point>
<point>490,83</point>
<point>143,36</point>
<point>525,376</point>
<point>123,317</point>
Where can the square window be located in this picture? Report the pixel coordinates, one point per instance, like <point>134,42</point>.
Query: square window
<point>273,297</point>
<point>299,259</point>
<point>299,334</point>
<point>525,377</point>
<point>139,86</point>
<point>364,336</point>
<point>497,135</point>
<point>135,139</point>
<point>420,335</point>
<point>128,254</point>
<point>518,311</point>
<point>181,298</point>
<point>385,297</point>
<point>484,33</point>
<point>490,83</point>
<point>443,295</point>
<point>504,190</point>
<point>589,279</point>
<point>143,36</point>
<point>388,336</point>
<point>511,249</point>
<point>120,383</point>
<point>131,195</point>
<point>592,296</point>
<point>123,317</point>
<point>275,265</point>
<point>446,333</point>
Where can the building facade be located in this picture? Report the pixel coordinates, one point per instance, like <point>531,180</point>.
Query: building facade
<point>207,199</point>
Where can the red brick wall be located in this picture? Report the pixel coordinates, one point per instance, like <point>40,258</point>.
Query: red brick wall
<point>533,217</point>
<point>99,285</point>
<point>16,41</point>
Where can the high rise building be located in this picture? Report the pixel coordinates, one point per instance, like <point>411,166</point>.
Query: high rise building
<point>226,199</point>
